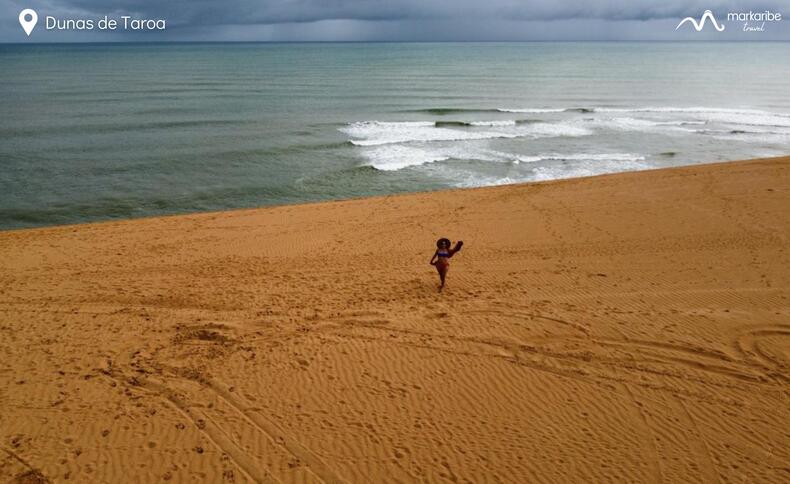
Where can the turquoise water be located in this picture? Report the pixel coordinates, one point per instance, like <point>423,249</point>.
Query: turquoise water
<point>106,131</point>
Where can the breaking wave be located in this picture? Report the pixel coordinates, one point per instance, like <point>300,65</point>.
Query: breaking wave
<point>373,133</point>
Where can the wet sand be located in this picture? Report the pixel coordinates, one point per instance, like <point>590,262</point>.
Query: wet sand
<point>630,327</point>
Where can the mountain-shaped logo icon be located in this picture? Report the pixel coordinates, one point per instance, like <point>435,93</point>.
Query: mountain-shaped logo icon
<point>708,15</point>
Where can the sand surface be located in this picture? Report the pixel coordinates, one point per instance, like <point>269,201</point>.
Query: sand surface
<point>631,327</point>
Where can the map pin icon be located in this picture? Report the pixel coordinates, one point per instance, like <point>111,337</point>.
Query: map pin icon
<point>28,18</point>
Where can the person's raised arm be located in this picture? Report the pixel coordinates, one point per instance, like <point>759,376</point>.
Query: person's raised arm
<point>457,247</point>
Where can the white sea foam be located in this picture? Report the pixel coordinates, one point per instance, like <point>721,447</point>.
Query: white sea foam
<point>397,156</point>
<point>735,117</point>
<point>373,133</point>
<point>749,136</point>
<point>505,122</point>
<point>462,150</point>
<point>526,159</point>
<point>594,157</point>
<point>756,117</point>
<point>689,110</point>
<point>679,123</point>
<point>585,165</point>
<point>770,120</point>
<point>392,157</point>
<point>532,110</point>
<point>636,124</point>
<point>543,173</point>
<point>474,181</point>
<point>542,130</point>
<point>515,158</point>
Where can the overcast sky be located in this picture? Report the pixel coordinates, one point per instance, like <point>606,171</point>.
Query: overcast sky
<point>397,20</point>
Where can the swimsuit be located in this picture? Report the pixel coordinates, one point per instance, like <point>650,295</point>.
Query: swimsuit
<point>442,263</point>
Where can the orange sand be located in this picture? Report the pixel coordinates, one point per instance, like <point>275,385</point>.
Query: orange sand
<point>631,327</point>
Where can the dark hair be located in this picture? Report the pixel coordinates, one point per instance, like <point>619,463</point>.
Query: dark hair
<point>442,243</point>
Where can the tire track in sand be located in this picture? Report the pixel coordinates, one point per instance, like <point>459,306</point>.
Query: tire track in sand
<point>707,466</point>
<point>31,475</point>
<point>316,465</point>
<point>689,356</point>
<point>207,426</point>
<point>282,448</point>
<point>655,461</point>
<point>748,346</point>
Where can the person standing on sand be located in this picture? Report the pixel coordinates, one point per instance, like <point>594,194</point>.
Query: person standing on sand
<point>441,258</point>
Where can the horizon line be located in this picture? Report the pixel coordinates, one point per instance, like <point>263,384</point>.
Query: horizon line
<point>667,41</point>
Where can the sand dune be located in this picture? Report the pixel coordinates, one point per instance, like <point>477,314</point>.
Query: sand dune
<point>631,327</point>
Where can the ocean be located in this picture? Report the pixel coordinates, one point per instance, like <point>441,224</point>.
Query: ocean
<point>92,132</point>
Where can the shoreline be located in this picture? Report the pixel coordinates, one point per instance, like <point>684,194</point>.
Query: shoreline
<point>628,327</point>
<point>378,197</point>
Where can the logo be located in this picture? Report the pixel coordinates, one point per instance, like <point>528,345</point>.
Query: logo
<point>752,21</point>
<point>698,26</point>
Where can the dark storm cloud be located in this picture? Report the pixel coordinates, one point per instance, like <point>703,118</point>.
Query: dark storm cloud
<point>396,19</point>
